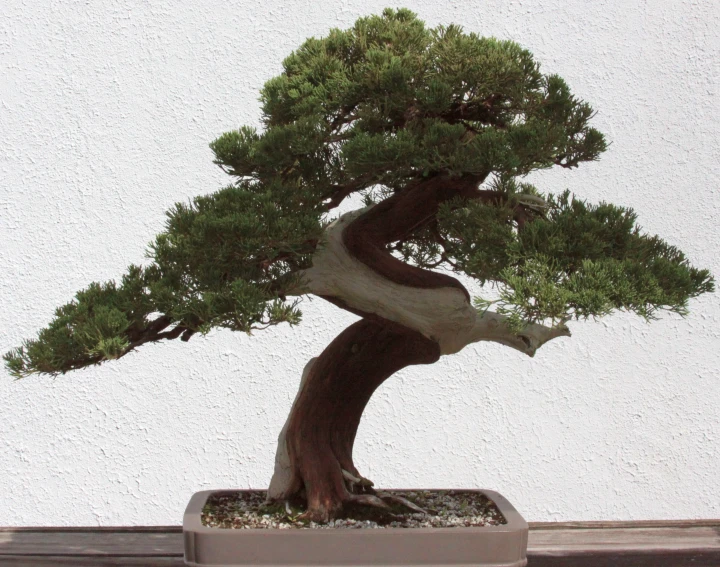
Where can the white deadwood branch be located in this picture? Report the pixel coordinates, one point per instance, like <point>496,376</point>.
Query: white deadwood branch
<point>532,202</point>
<point>443,314</point>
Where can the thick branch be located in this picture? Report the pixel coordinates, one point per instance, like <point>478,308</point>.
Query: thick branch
<point>390,220</point>
<point>441,313</point>
<point>491,326</point>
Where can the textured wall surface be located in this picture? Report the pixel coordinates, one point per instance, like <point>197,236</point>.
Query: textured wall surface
<point>106,112</point>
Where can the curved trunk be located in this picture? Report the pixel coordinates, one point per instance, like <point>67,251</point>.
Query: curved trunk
<point>410,316</point>
<point>324,419</point>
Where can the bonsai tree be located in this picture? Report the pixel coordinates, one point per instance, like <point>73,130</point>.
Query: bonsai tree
<point>434,129</point>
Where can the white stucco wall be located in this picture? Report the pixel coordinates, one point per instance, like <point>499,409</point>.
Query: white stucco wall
<point>106,112</point>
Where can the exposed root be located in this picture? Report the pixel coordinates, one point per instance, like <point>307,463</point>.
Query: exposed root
<point>387,497</point>
<point>368,500</point>
<point>350,477</point>
<point>379,500</point>
<point>382,500</point>
<point>310,516</point>
<point>366,482</point>
<point>352,480</point>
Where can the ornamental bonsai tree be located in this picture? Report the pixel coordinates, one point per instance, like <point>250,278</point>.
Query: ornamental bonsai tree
<point>434,129</point>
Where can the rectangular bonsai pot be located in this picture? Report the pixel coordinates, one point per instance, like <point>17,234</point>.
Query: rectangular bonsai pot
<point>488,546</point>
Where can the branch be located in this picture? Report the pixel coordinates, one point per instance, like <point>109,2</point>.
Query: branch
<point>338,192</point>
<point>409,210</point>
<point>491,326</point>
<point>155,332</point>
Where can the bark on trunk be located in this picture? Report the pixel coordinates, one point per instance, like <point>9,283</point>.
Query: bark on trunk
<point>320,431</point>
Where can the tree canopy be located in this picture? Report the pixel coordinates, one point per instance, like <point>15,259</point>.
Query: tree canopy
<point>370,110</point>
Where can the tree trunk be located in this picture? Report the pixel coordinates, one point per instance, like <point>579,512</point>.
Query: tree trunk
<point>324,419</point>
<point>410,316</point>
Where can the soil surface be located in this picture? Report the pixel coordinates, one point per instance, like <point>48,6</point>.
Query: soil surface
<point>445,509</point>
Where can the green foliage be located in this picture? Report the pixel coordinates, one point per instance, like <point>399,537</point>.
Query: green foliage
<point>389,100</point>
<point>380,105</point>
<point>578,261</point>
<point>87,330</point>
<point>230,253</point>
<point>225,260</point>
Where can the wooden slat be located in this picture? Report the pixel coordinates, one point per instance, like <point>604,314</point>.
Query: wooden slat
<point>54,561</point>
<point>598,525</point>
<point>146,544</point>
<point>624,539</point>
<point>650,559</point>
<point>625,544</point>
<point>114,529</point>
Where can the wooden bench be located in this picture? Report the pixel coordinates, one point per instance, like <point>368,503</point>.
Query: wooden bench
<point>689,543</point>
